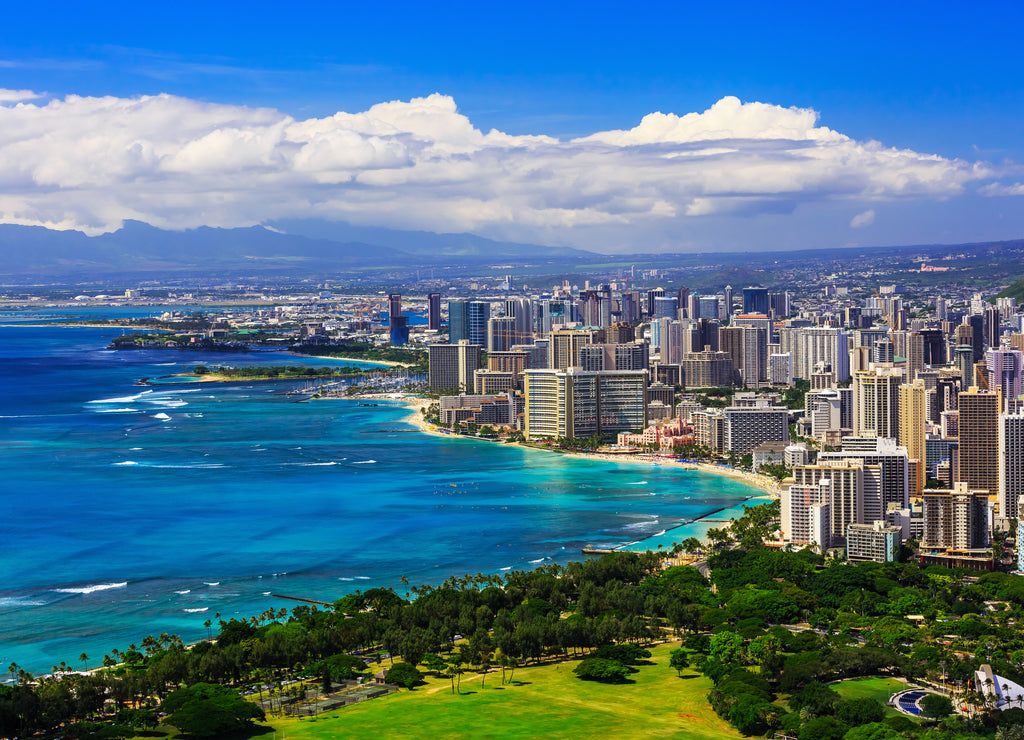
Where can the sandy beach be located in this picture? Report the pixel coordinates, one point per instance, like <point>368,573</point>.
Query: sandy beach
<point>769,485</point>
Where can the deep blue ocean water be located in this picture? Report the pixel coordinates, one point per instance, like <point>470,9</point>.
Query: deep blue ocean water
<point>128,510</point>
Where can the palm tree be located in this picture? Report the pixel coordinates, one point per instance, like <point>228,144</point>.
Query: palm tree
<point>85,660</point>
<point>209,632</point>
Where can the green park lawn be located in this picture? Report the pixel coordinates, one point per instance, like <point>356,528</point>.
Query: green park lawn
<point>879,689</point>
<point>543,701</point>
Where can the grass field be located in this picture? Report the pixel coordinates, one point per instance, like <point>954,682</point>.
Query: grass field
<point>545,701</point>
<point>879,689</point>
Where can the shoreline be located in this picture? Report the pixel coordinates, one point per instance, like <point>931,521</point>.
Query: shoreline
<point>769,487</point>
<point>75,325</point>
<point>84,325</point>
<point>193,379</point>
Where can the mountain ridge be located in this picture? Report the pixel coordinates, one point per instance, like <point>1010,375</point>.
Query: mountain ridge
<point>141,247</point>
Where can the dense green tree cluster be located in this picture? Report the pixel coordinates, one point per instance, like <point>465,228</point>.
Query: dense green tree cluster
<point>417,358</point>
<point>771,629</point>
<point>279,371</point>
<point>209,710</point>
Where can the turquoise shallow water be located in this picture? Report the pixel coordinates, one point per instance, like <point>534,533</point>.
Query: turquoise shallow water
<point>127,511</point>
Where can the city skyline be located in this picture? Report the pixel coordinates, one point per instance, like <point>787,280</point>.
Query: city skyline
<point>706,130</point>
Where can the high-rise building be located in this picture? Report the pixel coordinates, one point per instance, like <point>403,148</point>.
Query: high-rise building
<point>574,403</point>
<point>501,333</point>
<point>394,305</point>
<point>551,312</point>
<point>452,365</point>
<point>398,325</point>
<point>596,357</point>
<point>620,333</point>
<point>755,356</point>
<point>884,352</point>
<point>977,324</point>
<point>683,298</point>
<point>992,323</point>
<point>434,312</point>
<point>538,352</point>
<point>846,487</point>
<point>564,346</point>
<point>746,427</point>
<point>514,361</point>
<point>488,382</point>
<point>629,310</point>
<point>520,309</point>
<point>707,369</point>
<point>892,462</point>
<point>709,329</point>
<point>877,542</point>
<point>778,303</point>
<point>806,514</point>
<point>708,307</point>
<point>673,346</point>
<point>631,356</point>
<point>659,332</point>
<point>1011,465</point>
<point>730,341</point>
<point>824,408</point>
<point>477,314</point>
<point>914,355</point>
<point>1005,371</point>
<point>821,344</point>
<point>957,519</point>
<point>588,308</point>
<point>398,330</point>
<point>458,311</point>
<point>979,438</point>
<point>780,369</point>
<point>913,415</point>
<point>964,359</point>
<point>693,307</point>
<point>665,307</point>
<point>755,300</point>
<point>651,295</point>
<point>963,336</point>
<point>934,347</point>
<point>876,403</point>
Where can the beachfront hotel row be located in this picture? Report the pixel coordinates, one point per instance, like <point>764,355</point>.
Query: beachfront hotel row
<point>912,430</point>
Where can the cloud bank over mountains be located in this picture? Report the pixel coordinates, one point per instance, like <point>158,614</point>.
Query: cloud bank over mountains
<point>91,163</point>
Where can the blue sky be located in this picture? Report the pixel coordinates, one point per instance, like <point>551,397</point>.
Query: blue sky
<point>931,79</point>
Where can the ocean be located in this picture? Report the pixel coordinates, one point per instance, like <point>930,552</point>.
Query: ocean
<point>128,510</point>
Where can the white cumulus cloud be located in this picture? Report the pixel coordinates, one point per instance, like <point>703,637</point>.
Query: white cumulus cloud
<point>863,219</point>
<point>16,96</point>
<point>91,163</point>
<point>996,188</point>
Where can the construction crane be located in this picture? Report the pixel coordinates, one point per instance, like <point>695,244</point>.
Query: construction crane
<point>980,378</point>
